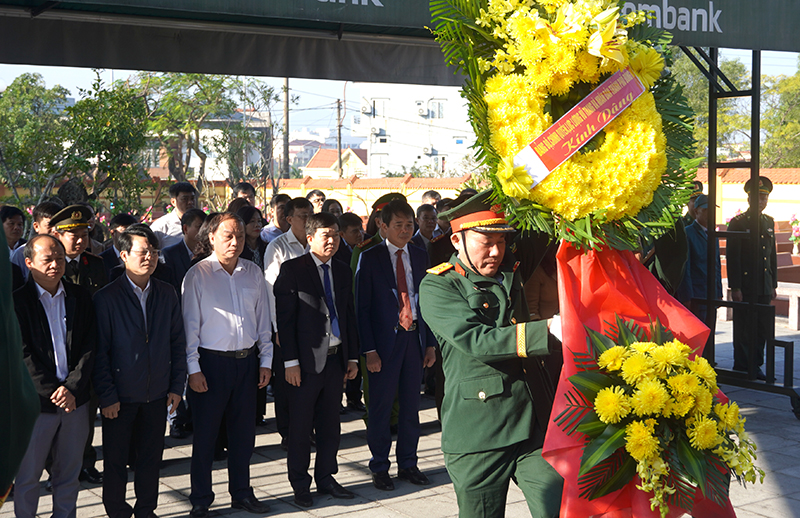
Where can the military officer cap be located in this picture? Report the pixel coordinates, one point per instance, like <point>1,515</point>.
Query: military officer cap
<point>764,185</point>
<point>384,200</point>
<point>701,202</point>
<point>72,217</point>
<point>478,213</point>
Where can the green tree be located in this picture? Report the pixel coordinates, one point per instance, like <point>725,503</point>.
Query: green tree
<point>780,121</point>
<point>108,129</point>
<point>33,129</point>
<point>733,115</point>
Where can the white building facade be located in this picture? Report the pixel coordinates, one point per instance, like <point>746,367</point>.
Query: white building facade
<point>413,126</point>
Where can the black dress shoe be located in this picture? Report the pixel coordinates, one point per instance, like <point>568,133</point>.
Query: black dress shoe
<point>260,421</point>
<point>382,481</point>
<point>199,511</point>
<point>337,491</point>
<point>179,432</point>
<point>303,498</point>
<point>413,475</point>
<point>356,405</point>
<point>251,505</point>
<point>759,373</point>
<point>285,444</point>
<point>48,486</point>
<point>91,475</point>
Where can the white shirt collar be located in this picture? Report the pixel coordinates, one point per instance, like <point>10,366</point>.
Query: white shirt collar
<point>216,265</point>
<point>137,289</point>
<point>393,249</point>
<point>292,238</point>
<point>317,260</point>
<point>42,291</point>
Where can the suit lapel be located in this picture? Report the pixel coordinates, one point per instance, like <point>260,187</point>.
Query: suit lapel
<point>69,306</point>
<point>41,318</point>
<point>185,258</point>
<point>311,268</point>
<point>417,268</point>
<point>385,263</point>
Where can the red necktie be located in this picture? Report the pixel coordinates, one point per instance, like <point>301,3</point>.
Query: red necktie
<point>405,319</point>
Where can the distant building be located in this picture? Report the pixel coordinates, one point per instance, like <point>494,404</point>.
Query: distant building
<point>301,151</point>
<point>325,164</point>
<point>412,126</point>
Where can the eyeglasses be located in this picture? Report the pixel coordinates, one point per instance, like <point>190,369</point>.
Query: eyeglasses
<point>152,252</point>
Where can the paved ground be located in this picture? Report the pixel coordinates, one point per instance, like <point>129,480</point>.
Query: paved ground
<point>770,422</point>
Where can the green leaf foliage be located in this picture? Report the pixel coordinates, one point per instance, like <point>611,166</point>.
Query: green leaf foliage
<point>577,407</point>
<point>601,448</point>
<point>610,475</point>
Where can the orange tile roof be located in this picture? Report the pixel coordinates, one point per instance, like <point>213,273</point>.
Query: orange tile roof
<point>326,158</point>
<point>789,176</point>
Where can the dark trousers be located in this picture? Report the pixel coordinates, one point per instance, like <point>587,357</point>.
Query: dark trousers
<point>232,385</point>
<point>89,453</point>
<point>353,387</point>
<point>401,374</point>
<point>315,405</point>
<point>279,388</point>
<point>744,334</point>
<point>141,426</point>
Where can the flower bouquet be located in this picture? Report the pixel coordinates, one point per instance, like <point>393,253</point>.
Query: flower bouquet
<point>647,406</point>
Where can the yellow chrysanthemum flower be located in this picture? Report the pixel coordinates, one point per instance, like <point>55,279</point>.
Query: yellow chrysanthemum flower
<point>646,63</point>
<point>683,404</point>
<point>515,180</point>
<point>703,400</point>
<point>612,405</point>
<point>649,398</point>
<point>636,368</point>
<point>666,359</point>
<point>703,370</point>
<point>703,434</point>
<point>640,442</point>
<point>643,347</point>
<point>611,359</point>
<point>684,383</point>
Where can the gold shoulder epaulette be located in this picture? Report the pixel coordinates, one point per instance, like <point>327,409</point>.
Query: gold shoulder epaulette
<point>365,243</point>
<point>440,269</point>
<point>437,238</point>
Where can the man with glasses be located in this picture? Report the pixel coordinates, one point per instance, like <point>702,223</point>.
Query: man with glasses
<point>284,247</point>
<point>139,373</point>
<point>167,228</point>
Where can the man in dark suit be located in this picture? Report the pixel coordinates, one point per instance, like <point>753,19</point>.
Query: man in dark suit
<point>140,372</point>
<point>426,221</point>
<point>57,323</point>
<point>71,226</point>
<point>351,231</point>
<point>316,323</point>
<point>116,226</point>
<point>395,341</point>
<point>696,274</point>
<point>179,256</point>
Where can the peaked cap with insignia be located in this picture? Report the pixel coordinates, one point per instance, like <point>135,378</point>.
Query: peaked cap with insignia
<point>479,214</point>
<point>384,200</point>
<point>72,217</point>
<point>764,185</point>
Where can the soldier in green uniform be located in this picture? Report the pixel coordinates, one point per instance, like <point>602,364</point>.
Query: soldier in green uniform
<point>753,283</point>
<point>499,374</point>
<point>71,225</point>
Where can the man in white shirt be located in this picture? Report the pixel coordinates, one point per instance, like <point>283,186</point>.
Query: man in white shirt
<point>287,246</point>
<point>277,218</point>
<point>228,355</point>
<point>182,196</point>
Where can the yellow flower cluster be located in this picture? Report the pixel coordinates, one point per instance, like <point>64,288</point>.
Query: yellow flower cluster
<point>662,385</point>
<point>545,54</point>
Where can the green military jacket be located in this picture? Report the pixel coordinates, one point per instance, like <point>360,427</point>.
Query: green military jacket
<point>497,385</point>
<point>742,273</point>
<point>360,249</point>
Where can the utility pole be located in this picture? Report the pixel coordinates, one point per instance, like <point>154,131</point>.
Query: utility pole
<point>339,132</point>
<point>286,171</point>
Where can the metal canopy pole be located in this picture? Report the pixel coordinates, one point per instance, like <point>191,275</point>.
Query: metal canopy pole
<point>717,91</point>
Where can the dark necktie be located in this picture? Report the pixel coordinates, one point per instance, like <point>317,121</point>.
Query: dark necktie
<point>71,271</point>
<point>405,317</point>
<point>329,300</point>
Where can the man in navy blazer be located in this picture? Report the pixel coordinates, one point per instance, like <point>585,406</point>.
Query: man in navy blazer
<point>317,325</point>
<point>395,341</point>
<point>179,256</point>
<point>116,226</point>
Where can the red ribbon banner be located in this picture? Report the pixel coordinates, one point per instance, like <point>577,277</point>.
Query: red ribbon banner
<point>579,125</point>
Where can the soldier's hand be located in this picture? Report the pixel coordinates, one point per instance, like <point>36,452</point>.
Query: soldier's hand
<point>264,374</point>
<point>736,295</point>
<point>352,370</point>
<point>430,357</point>
<point>293,375</point>
<point>197,382</point>
<point>373,362</point>
<point>110,412</point>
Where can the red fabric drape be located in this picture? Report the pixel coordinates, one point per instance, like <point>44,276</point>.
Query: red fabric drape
<point>593,288</point>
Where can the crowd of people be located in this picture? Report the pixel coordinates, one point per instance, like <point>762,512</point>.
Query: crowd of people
<point>188,320</point>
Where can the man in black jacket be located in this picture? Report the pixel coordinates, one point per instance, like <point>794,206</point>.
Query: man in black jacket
<point>57,323</point>
<point>316,323</point>
<point>139,372</point>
